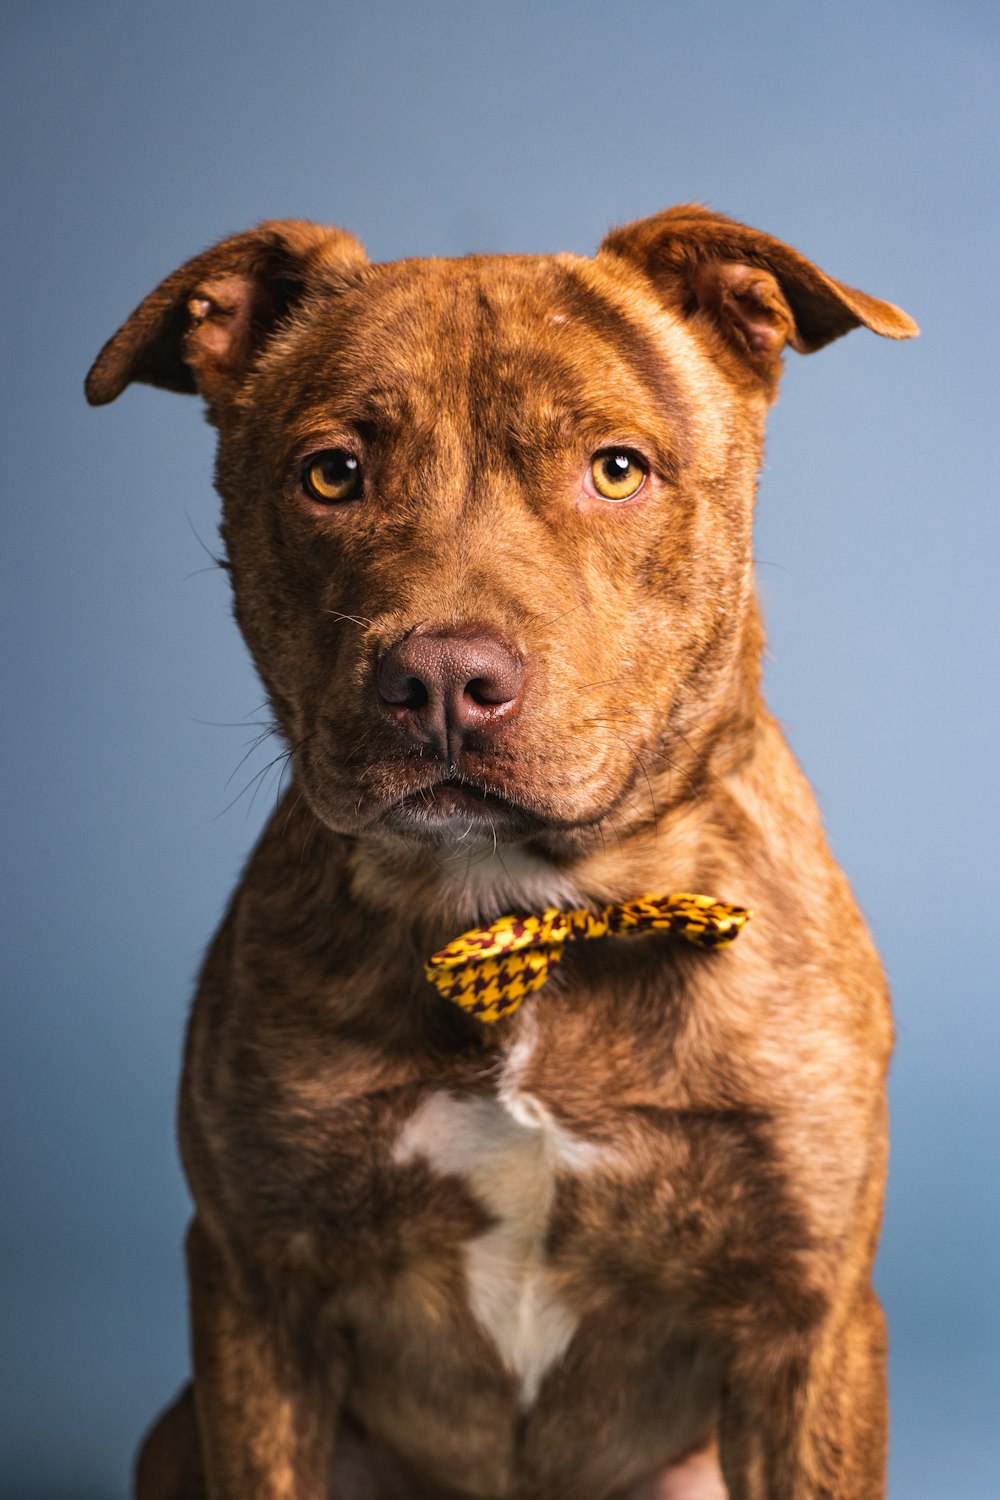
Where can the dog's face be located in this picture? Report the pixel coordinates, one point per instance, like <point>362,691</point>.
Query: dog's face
<point>489,519</point>
<point>543,533</point>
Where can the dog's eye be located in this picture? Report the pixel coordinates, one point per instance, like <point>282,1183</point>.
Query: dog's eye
<point>617,474</point>
<point>332,477</point>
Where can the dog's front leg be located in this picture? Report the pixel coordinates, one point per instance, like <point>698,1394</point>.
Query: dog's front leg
<point>808,1421</point>
<point>267,1419</point>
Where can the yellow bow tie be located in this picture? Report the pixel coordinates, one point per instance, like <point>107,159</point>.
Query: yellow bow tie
<point>489,970</point>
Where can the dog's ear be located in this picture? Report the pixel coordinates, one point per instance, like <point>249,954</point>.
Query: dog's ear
<point>202,327</point>
<point>758,293</point>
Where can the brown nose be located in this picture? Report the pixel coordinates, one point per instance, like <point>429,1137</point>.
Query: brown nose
<point>445,685</point>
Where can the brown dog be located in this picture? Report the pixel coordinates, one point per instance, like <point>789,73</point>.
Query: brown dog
<point>489,527</point>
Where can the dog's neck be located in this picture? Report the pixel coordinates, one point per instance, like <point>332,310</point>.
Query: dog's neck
<point>463,880</point>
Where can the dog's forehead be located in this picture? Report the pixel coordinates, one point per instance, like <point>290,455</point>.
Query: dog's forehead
<point>510,341</point>
<point>433,320</point>
<point>450,310</point>
<point>507,294</point>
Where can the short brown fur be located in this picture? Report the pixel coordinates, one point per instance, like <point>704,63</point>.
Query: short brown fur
<point>715,1263</point>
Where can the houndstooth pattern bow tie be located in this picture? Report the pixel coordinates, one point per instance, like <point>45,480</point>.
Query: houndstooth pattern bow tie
<point>488,971</point>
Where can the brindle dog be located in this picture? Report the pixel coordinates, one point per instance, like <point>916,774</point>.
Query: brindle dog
<point>489,527</point>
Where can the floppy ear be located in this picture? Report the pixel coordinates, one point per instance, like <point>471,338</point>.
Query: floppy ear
<point>758,293</point>
<point>202,327</point>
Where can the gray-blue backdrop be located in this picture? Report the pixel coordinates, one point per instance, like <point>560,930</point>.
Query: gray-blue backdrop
<point>865,134</point>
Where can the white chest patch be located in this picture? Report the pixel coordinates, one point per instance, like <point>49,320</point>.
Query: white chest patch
<point>508,1155</point>
<point>483,881</point>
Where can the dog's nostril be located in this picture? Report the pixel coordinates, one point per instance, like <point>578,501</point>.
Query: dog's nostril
<point>414,692</point>
<point>399,685</point>
<point>487,692</point>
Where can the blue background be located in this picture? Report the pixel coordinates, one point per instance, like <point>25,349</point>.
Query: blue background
<point>866,135</point>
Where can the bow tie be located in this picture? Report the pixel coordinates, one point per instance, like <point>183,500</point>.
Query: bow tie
<point>489,970</point>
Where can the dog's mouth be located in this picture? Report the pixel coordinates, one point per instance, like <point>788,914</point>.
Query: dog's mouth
<point>416,799</point>
<point>456,803</point>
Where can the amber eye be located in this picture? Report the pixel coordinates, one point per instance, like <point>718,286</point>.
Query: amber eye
<point>332,477</point>
<point>617,474</point>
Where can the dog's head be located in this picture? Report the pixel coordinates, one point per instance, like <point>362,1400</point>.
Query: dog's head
<point>489,519</point>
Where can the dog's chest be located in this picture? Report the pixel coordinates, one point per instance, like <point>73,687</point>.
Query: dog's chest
<point>510,1155</point>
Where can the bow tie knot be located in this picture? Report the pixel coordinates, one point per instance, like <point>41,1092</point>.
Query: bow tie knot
<point>488,971</point>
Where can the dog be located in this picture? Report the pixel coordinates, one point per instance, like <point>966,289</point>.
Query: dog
<point>488,522</point>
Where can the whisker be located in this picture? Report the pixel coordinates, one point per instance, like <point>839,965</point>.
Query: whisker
<point>217,562</point>
<point>259,739</point>
<point>247,723</point>
<point>554,619</point>
<point>614,830</point>
<point>197,572</point>
<point>354,619</point>
<point>607,682</point>
<point>255,780</point>
<point>649,785</point>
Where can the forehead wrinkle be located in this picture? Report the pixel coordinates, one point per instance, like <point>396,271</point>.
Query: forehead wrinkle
<point>396,322</point>
<point>484,364</point>
<point>439,437</point>
<point>518,407</point>
<point>540,401</point>
<point>511,370</point>
<point>711,403</point>
<point>633,348</point>
<point>397,365</point>
<point>388,406</point>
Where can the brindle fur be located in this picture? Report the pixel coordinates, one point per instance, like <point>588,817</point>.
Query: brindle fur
<point>717,1257</point>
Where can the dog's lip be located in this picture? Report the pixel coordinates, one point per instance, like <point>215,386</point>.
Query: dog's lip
<point>443,800</point>
<point>451,795</point>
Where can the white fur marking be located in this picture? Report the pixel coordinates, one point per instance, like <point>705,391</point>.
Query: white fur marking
<point>486,881</point>
<point>508,1151</point>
